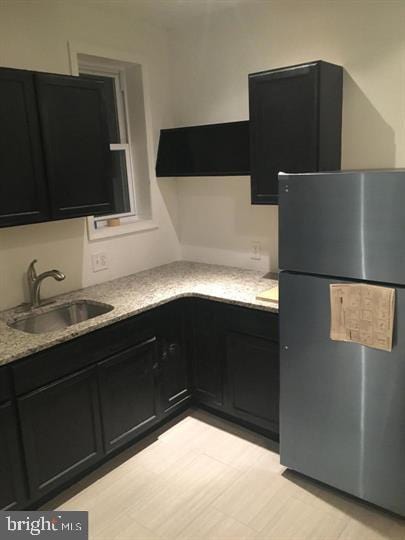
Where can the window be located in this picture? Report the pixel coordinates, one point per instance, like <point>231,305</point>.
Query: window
<point>123,183</point>
<point>130,128</point>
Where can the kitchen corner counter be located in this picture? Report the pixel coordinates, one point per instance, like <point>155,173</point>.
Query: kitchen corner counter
<point>140,292</point>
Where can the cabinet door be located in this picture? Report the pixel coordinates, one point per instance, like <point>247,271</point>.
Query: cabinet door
<point>283,127</point>
<point>61,430</point>
<point>208,150</point>
<point>208,362</point>
<point>75,136</point>
<point>174,358</point>
<point>253,379</point>
<point>128,393</point>
<point>23,196</point>
<point>12,484</point>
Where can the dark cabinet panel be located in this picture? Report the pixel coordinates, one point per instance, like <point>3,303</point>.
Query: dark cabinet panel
<point>208,150</point>
<point>75,137</point>
<point>175,373</point>
<point>12,483</point>
<point>23,195</point>
<point>61,431</point>
<point>249,348</point>
<point>5,384</point>
<point>284,126</point>
<point>208,364</point>
<point>253,379</point>
<point>41,368</point>
<point>295,124</point>
<point>128,393</point>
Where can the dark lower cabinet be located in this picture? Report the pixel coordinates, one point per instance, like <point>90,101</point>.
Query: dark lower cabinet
<point>89,397</point>
<point>128,393</point>
<point>252,365</point>
<point>250,347</point>
<point>12,483</point>
<point>175,368</point>
<point>61,431</point>
<point>236,363</point>
<point>208,364</point>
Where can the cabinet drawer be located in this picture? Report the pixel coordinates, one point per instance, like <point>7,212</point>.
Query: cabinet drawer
<point>250,321</point>
<point>61,360</point>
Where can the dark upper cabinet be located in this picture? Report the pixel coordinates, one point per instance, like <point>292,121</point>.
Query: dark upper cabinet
<point>55,159</point>
<point>295,124</point>
<point>128,393</point>
<point>174,351</point>
<point>61,431</point>
<point>76,146</point>
<point>23,192</point>
<point>208,150</point>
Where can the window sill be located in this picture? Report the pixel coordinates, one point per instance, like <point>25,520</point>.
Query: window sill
<point>140,225</point>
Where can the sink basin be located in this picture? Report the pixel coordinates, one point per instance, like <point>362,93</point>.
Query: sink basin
<point>60,317</point>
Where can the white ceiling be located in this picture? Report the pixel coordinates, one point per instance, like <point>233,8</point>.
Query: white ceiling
<point>171,13</point>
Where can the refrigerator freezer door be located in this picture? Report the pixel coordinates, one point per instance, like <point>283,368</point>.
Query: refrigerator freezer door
<point>348,224</point>
<point>342,418</point>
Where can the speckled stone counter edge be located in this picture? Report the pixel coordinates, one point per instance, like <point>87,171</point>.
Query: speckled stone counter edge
<point>134,294</point>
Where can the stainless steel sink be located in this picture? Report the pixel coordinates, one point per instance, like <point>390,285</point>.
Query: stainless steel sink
<point>60,317</point>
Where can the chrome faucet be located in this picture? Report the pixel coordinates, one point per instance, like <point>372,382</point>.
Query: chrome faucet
<point>34,283</point>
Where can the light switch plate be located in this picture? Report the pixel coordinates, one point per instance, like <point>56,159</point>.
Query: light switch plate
<point>256,253</point>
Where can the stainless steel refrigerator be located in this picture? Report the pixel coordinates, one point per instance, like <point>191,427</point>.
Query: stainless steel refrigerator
<point>342,404</point>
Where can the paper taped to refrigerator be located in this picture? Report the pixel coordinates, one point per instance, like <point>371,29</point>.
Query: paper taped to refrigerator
<point>362,314</point>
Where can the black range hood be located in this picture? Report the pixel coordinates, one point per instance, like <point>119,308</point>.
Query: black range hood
<point>208,150</point>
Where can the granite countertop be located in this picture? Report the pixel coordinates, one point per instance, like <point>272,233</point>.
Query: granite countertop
<point>139,292</point>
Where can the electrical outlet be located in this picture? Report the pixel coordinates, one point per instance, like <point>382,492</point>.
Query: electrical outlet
<point>99,261</point>
<point>256,253</point>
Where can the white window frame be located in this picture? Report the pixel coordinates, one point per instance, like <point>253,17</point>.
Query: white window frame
<point>118,76</point>
<point>130,223</point>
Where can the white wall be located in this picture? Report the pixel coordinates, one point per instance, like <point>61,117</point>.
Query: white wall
<point>210,62</point>
<point>199,75</point>
<point>34,35</point>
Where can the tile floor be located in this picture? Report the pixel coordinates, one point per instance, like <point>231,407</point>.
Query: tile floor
<point>204,478</point>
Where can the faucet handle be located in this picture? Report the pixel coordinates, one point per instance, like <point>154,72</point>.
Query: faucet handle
<point>31,272</point>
